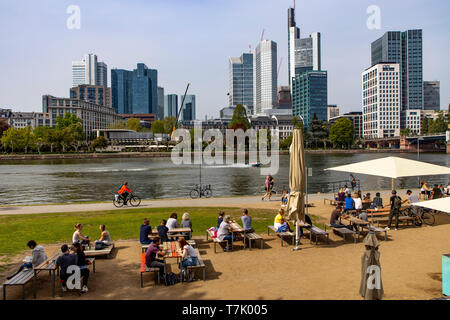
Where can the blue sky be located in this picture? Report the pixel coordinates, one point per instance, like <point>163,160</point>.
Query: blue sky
<point>192,40</point>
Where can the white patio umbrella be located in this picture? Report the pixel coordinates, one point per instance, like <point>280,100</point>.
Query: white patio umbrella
<point>393,167</point>
<point>442,204</point>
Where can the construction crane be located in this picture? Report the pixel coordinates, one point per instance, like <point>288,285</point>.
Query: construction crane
<point>179,112</point>
<point>262,35</point>
<point>279,67</point>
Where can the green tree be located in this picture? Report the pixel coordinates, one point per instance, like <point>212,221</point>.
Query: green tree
<point>134,124</point>
<point>28,138</point>
<point>13,139</point>
<point>40,137</point>
<point>439,125</point>
<point>118,125</point>
<point>99,142</point>
<point>239,119</point>
<point>68,120</point>
<point>425,125</point>
<point>405,132</point>
<point>3,127</point>
<point>158,127</point>
<point>286,143</point>
<point>317,133</point>
<point>342,133</point>
<point>169,124</point>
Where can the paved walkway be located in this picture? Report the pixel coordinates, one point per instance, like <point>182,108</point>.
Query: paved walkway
<point>235,202</point>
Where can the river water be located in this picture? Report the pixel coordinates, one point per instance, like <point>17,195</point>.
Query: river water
<point>56,181</point>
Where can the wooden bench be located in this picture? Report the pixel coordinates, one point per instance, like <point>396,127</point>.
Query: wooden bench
<point>190,242</point>
<point>21,279</point>
<point>144,269</point>
<point>316,231</point>
<point>376,230</point>
<point>253,236</point>
<point>92,262</point>
<point>215,240</point>
<point>342,231</point>
<point>99,253</point>
<point>200,265</point>
<point>282,235</point>
<point>405,219</point>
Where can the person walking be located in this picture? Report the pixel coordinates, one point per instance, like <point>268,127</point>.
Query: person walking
<point>396,204</point>
<point>267,188</point>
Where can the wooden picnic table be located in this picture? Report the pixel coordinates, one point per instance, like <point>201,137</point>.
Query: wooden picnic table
<point>50,266</point>
<point>179,230</point>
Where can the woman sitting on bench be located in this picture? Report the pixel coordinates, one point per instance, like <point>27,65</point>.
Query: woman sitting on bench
<point>189,256</point>
<point>78,236</point>
<point>105,238</point>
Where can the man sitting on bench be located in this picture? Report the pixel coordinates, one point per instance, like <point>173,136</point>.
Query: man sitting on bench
<point>247,222</point>
<point>64,262</point>
<point>38,257</point>
<point>151,255</point>
<point>334,219</point>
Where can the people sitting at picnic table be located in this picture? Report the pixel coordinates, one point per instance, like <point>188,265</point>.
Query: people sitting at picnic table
<point>396,204</point>
<point>82,263</point>
<point>38,256</point>
<point>341,196</point>
<point>105,238</point>
<point>63,262</point>
<point>367,197</point>
<point>357,203</point>
<point>436,192</point>
<point>334,218</point>
<point>308,221</point>
<point>377,201</point>
<point>278,219</point>
<point>189,256</point>
<point>447,189</point>
<point>145,231</point>
<point>186,223</point>
<point>441,187</point>
<point>285,226</point>
<point>151,257</point>
<point>225,233</point>
<point>347,189</point>
<point>349,203</point>
<point>220,219</point>
<point>162,231</point>
<point>284,197</point>
<point>79,237</point>
<point>247,222</point>
<point>172,222</point>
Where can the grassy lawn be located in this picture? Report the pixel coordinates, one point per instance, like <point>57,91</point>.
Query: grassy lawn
<point>17,230</point>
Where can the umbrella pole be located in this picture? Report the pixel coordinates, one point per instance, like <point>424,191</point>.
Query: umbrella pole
<point>392,184</point>
<point>296,233</point>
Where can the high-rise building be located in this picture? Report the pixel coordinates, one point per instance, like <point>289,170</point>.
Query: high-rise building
<point>431,95</point>
<point>265,76</point>
<point>94,94</point>
<point>188,108</point>
<point>241,80</point>
<point>332,111</point>
<point>284,97</point>
<point>307,54</point>
<point>102,74</point>
<point>171,105</point>
<point>121,93</point>
<point>135,91</point>
<point>160,114</point>
<point>310,96</point>
<point>293,34</point>
<point>404,48</point>
<point>381,100</point>
<point>89,71</point>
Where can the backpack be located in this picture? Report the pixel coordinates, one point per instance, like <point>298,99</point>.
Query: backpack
<point>170,279</point>
<point>282,228</point>
<point>397,203</point>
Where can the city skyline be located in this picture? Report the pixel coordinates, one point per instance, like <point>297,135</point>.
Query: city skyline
<point>189,55</point>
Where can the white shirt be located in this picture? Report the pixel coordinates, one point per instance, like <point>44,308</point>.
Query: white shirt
<point>224,229</point>
<point>190,251</point>
<point>413,198</point>
<point>358,203</point>
<point>172,223</point>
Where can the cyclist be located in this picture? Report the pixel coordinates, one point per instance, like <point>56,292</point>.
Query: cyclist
<point>124,191</point>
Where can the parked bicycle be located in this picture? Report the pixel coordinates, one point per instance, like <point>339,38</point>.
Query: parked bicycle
<point>132,199</point>
<point>201,191</point>
<point>421,215</point>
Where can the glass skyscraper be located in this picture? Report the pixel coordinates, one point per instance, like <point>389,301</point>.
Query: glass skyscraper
<point>171,105</point>
<point>241,80</point>
<point>404,48</point>
<point>310,96</point>
<point>188,109</point>
<point>265,76</point>
<point>135,91</point>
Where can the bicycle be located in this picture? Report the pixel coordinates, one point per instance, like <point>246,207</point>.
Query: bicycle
<point>423,216</point>
<point>134,200</point>
<point>201,191</point>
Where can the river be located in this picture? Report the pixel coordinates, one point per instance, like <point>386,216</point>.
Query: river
<point>63,181</point>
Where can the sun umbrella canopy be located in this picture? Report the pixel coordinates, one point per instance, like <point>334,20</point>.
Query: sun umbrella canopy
<point>297,171</point>
<point>442,204</point>
<point>393,167</point>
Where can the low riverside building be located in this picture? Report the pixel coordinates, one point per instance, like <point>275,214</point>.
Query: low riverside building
<point>93,116</point>
<point>355,117</point>
<point>20,120</point>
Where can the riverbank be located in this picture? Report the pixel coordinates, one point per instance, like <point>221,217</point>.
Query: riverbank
<point>113,155</point>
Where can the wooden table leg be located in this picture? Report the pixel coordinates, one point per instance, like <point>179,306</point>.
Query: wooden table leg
<point>34,284</point>
<point>53,283</point>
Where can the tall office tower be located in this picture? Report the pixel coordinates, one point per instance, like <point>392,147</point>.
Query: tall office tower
<point>88,71</point>
<point>144,90</point>
<point>188,108</point>
<point>431,95</point>
<point>307,54</point>
<point>332,111</point>
<point>102,74</point>
<point>241,80</point>
<point>293,34</point>
<point>121,91</point>
<point>404,48</point>
<point>160,114</point>
<point>284,97</point>
<point>100,95</point>
<point>171,105</point>
<point>310,96</point>
<point>381,100</point>
<point>265,76</point>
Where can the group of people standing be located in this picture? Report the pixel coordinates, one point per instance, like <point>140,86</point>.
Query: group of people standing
<point>438,191</point>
